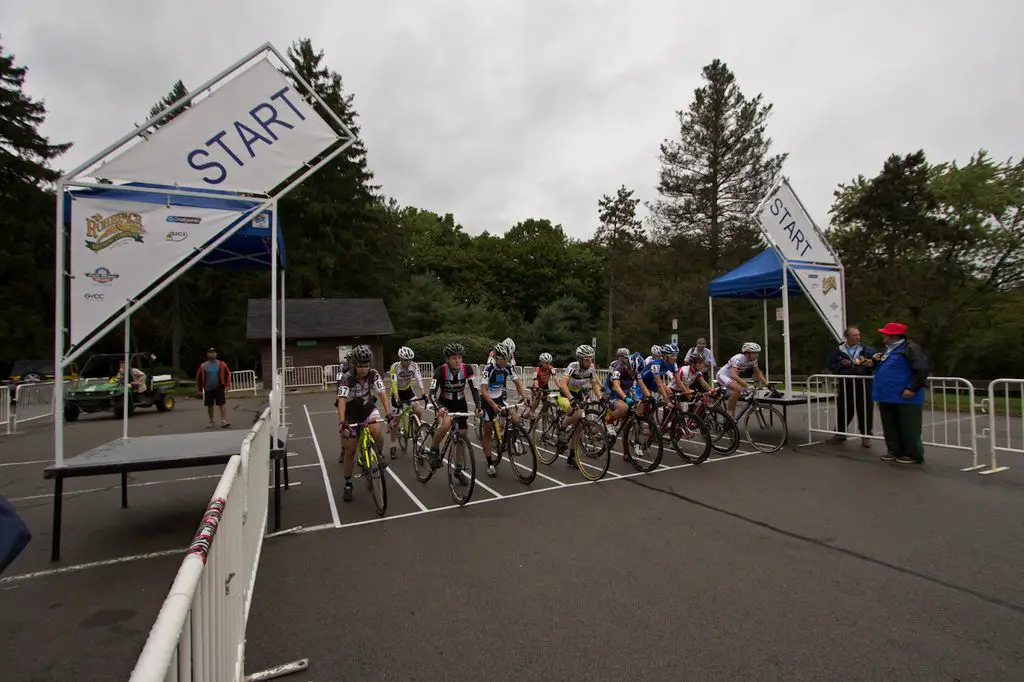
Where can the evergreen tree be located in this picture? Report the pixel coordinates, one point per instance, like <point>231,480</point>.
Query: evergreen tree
<point>26,218</point>
<point>620,232</point>
<point>714,175</point>
<point>178,90</point>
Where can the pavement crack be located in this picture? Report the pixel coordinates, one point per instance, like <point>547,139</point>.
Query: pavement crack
<point>996,601</point>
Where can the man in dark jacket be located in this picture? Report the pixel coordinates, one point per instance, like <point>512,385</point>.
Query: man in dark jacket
<point>899,390</point>
<point>855,360</point>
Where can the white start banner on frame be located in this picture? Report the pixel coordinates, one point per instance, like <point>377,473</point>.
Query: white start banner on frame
<point>786,224</point>
<point>827,291</point>
<point>121,248</point>
<point>249,135</point>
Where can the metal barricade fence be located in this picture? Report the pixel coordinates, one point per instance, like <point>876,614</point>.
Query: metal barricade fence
<point>244,380</point>
<point>302,377</point>
<point>949,410</point>
<point>199,633</point>
<point>5,409</point>
<point>1006,406</point>
<point>32,401</point>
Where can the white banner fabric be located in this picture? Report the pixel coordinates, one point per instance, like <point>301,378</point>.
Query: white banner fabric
<point>248,136</point>
<point>784,221</point>
<point>827,290</point>
<point>121,248</point>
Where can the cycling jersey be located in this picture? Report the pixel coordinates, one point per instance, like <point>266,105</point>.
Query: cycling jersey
<point>543,377</point>
<point>740,362</point>
<point>655,368</point>
<point>578,378</point>
<point>511,360</point>
<point>360,396</point>
<point>402,379</point>
<point>686,379</point>
<point>452,383</point>
<point>623,374</point>
<point>493,379</point>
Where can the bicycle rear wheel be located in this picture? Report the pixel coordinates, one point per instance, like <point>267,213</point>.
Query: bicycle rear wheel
<point>463,485</point>
<point>765,428</point>
<point>377,480</point>
<point>522,454</point>
<point>725,434</point>
<point>691,439</point>
<point>590,448</point>
<point>642,443</point>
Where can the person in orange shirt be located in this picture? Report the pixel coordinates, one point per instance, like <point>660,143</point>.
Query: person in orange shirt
<point>213,381</point>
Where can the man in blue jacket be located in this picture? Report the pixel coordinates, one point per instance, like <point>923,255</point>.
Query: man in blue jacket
<point>899,389</point>
<point>855,360</point>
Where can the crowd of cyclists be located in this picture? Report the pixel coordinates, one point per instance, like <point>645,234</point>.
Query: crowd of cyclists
<point>648,382</point>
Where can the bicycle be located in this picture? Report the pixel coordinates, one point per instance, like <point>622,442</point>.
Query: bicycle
<point>370,462</point>
<point>511,440</point>
<point>406,429</point>
<point>425,465</point>
<point>764,417</point>
<point>683,427</point>
<point>721,427</point>
<point>587,441</point>
<point>644,429</point>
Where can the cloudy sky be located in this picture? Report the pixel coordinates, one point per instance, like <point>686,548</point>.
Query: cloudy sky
<point>498,112</point>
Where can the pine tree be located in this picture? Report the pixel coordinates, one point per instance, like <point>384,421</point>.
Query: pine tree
<point>714,175</point>
<point>619,232</point>
<point>178,90</point>
<point>26,217</point>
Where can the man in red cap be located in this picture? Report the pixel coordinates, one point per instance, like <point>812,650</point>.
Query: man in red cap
<point>898,389</point>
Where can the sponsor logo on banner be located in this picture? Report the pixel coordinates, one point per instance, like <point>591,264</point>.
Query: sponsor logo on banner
<point>102,233</point>
<point>174,236</point>
<point>187,219</point>
<point>102,276</point>
<point>829,284</point>
<point>93,297</point>
<point>261,221</point>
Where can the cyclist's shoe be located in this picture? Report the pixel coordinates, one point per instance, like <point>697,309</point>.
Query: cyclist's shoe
<point>347,494</point>
<point>460,476</point>
<point>435,457</point>
<point>570,461</point>
<point>394,452</point>
<point>491,471</point>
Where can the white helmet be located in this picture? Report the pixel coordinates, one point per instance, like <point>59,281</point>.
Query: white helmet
<point>545,358</point>
<point>510,345</point>
<point>584,351</point>
<point>751,347</point>
<point>655,349</point>
<point>405,353</point>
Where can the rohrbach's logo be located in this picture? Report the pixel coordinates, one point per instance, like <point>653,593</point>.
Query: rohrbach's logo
<point>102,276</point>
<point>829,284</point>
<point>101,232</point>
<point>175,236</point>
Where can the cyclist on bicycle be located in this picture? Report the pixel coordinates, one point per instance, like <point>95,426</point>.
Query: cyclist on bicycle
<point>541,379</point>
<point>729,375</point>
<point>653,375</point>
<point>621,386</point>
<point>492,380</point>
<point>690,378</point>
<point>358,391</point>
<point>450,382</point>
<point>655,355</point>
<point>580,377</point>
<point>510,345</point>
<point>406,385</point>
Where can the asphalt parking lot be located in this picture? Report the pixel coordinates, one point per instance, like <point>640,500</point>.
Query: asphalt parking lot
<point>812,563</point>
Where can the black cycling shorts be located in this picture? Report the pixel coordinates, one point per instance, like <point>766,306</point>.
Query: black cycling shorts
<point>404,396</point>
<point>489,414</point>
<point>461,423</point>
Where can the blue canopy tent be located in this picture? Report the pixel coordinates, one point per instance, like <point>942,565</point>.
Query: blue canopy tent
<point>761,278</point>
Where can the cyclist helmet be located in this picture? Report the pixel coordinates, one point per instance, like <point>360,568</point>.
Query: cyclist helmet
<point>655,349</point>
<point>511,345</point>
<point>405,353</point>
<point>362,355</point>
<point>670,349</point>
<point>622,353</point>
<point>751,347</point>
<point>454,349</point>
<point>501,351</point>
<point>584,351</point>
<point>636,363</point>
<point>545,358</point>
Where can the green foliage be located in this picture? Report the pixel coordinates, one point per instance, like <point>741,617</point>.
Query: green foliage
<point>558,328</point>
<point>431,348</point>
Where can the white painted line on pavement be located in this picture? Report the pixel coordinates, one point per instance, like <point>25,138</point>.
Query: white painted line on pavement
<point>34,461</point>
<point>590,466</point>
<point>553,480</point>
<point>117,486</point>
<point>91,564</point>
<point>323,468</point>
<point>404,487</point>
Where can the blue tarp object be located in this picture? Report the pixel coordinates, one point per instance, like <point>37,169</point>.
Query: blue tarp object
<point>758,278</point>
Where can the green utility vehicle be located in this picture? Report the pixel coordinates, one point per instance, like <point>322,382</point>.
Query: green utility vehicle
<point>101,389</point>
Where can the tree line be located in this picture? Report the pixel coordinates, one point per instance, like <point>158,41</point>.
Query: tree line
<point>939,246</point>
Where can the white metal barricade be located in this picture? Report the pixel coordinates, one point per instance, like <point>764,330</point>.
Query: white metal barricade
<point>950,413</point>
<point>32,401</point>
<point>301,377</point>
<point>244,380</point>
<point>199,634</point>
<point>1008,436</point>
<point>426,370</point>
<point>5,409</point>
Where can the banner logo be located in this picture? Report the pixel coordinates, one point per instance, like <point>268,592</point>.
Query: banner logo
<point>94,297</point>
<point>102,276</point>
<point>101,233</point>
<point>173,236</point>
<point>829,284</point>
<point>261,221</point>
<point>187,219</point>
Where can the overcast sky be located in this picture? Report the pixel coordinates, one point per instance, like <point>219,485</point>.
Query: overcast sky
<point>501,112</point>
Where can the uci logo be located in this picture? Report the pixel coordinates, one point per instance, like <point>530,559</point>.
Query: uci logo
<point>94,297</point>
<point>174,236</point>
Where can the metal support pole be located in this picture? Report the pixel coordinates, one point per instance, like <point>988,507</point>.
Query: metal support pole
<point>275,419</point>
<point>767,375</point>
<point>785,327</point>
<point>58,334</point>
<point>127,368</point>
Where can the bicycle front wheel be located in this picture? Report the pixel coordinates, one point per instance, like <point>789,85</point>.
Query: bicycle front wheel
<point>590,448</point>
<point>421,453</point>
<point>461,470</point>
<point>404,428</point>
<point>378,481</point>
<point>522,453</point>
<point>725,434</point>
<point>765,428</point>
<point>546,440</point>
<point>642,443</point>
<point>691,439</point>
